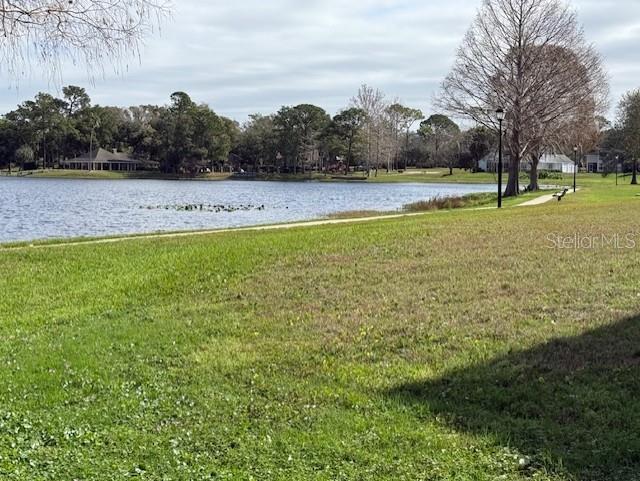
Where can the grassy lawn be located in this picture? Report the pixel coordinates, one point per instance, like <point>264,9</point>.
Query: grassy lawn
<point>453,346</point>
<point>440,175</point>
<point>110,175</point>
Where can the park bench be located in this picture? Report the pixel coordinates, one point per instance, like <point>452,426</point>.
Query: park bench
<point>560,195</point>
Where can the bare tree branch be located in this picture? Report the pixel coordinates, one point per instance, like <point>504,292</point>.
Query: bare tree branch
<point>87,32</point>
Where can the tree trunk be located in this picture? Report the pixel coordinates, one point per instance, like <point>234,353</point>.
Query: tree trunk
<point>346,170</point>
<point>513,183</point>
<point>406,151</point>
<point>634,176</point>
<point>533,176</point>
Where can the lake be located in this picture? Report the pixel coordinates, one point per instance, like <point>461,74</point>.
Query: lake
<point>33,209</point>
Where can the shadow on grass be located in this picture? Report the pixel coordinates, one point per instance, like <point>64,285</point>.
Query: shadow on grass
<point>572,405</point>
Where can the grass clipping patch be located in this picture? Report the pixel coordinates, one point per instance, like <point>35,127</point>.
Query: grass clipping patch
<point>447,203</point>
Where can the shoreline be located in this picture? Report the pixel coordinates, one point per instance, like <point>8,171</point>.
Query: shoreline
<point>537,199</point>
<point>426,176</point>
<point>411,176</point>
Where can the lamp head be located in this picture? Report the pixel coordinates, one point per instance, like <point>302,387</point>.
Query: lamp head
<point>500,114</point>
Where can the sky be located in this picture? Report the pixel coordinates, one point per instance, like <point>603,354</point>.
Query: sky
<point>253,56</point>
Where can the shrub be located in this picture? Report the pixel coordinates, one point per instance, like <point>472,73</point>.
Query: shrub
<point>547,174</point>
<point>447,203</point>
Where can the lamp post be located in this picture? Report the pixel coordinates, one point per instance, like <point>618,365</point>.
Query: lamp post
<point>575,167</point>
<point>617,168</point>
<point>500,115</point>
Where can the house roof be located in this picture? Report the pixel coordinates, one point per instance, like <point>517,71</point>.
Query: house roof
<point>555,159</point>
<point>545,159</point>
<point>104,156</point>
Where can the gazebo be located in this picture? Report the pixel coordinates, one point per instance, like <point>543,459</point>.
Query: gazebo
<point>102,159</point>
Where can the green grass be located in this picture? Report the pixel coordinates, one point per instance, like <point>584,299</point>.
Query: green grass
<point>440,175</point>
<point>456,346</point>
<point>111,175</point>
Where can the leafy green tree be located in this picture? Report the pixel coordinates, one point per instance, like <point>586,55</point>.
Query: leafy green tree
<point>140,132</point>
<point>347,127</point>
<point>24,155</point>
<point>257,142</point>
<point>288,142</point>
<point>226,138</point>
<point>612,148</point>
<point>440,132</point>
<point>192,136</point>
<point>76,99</point>
<point>41,124</point>
<point>299,129</point>
<point>106,123</point>
<point>214,136</point>
<point>479,141</point>
<point>9,142</point>
<point>176,129</point>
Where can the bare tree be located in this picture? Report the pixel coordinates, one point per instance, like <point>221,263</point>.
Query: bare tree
<point>401,119</point>
<point>629,121</point>
<point>373,103</point>
<point>85,31</point>
<point>579,126</point>
<point>529,57</point>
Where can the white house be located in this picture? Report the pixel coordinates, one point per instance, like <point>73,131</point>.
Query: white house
<point>555,163</point>
<point>548,162</point>
<point>595,163</point>
<point>489,163</point>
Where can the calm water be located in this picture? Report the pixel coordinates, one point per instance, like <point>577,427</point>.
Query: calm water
<point>61,208</point>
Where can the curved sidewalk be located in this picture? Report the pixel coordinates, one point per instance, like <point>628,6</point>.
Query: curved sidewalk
<point>543,199</point>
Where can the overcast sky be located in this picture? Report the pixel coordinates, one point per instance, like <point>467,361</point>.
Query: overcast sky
<point>250,56</point>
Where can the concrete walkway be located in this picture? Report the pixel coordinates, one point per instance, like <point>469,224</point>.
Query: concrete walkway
<point>543,199</point>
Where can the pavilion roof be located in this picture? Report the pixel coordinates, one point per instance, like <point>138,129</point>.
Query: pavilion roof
<point>104,156</point>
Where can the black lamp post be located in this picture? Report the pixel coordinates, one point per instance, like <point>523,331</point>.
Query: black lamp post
<point>617,168</point>
<point>500,115</point>
<point>575,167</point>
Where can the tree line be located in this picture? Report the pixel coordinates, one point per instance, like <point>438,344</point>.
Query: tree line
<point>371,133</point>
<point>527,57</point>
<point>177,137</point>
<point>184,137</point>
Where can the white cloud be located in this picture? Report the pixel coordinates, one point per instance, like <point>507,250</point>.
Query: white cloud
<point>254,56</point>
